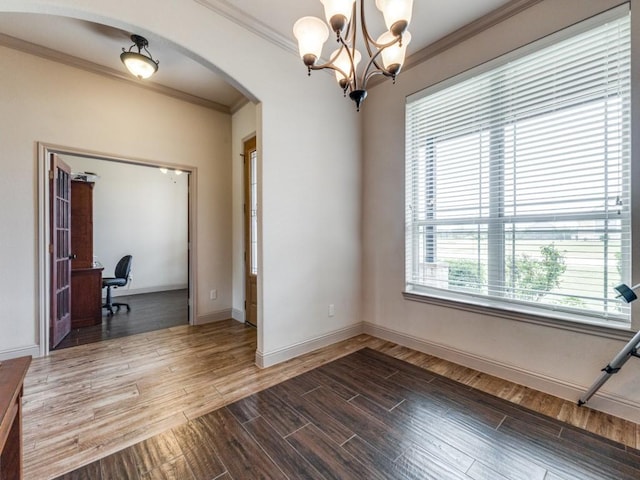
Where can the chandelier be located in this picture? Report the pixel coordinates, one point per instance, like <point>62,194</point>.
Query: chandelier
<point>386,53</point>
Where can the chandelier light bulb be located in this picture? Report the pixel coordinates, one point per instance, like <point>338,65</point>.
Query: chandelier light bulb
<point>338,13</point>
<point>396,13</point>
<point>311,33</point>
<point>393,56</point>
<point>343,62</point>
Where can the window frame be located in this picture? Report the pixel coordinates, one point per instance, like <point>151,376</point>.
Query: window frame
<point>513,309</point>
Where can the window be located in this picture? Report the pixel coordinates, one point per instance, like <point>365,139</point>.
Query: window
<point>517,191</point>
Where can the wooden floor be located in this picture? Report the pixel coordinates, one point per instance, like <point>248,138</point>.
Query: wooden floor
<point>85,403</point>
<point>370,416</point>
<point>149,312</point>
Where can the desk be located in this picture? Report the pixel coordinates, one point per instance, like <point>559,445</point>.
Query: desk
<point>12,373</point>
<point>86,297</point>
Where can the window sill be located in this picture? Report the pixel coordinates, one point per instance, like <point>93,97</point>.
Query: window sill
<point>616,332</point>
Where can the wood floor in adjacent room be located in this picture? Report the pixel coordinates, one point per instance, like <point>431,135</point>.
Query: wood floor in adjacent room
<point>148,312</point>
<point>85,403</point>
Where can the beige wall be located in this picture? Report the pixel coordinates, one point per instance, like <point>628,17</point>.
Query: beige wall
<point>98,114</point>
<point>558,361</point>
<point>309,172</point>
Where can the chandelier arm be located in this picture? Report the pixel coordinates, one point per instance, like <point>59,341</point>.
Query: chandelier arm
<point>329,66</point>
<point>377,72</point>
<point>353,25</point>
<point>369,41</point>
<point>367,38</point>
<point>382,46</point>
<point>366,75</point>
<point>351,29</point>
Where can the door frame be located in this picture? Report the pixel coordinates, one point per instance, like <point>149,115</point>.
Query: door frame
<point>249,144</point>
<point>43,227</point>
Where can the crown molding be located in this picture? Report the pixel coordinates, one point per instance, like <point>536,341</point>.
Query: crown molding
<point>239,17</point>
<point>69,60</point>
<point>470,30</point>
<point>239,104</point>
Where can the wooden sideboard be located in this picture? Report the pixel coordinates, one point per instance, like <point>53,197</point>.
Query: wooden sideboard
<point>12,373</point>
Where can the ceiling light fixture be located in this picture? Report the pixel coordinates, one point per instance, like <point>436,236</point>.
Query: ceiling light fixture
<point>386,54</point>
<point>139,64</point>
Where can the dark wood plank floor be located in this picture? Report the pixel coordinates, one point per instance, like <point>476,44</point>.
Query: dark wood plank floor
<point>149,312</point>
<point>370,416</point>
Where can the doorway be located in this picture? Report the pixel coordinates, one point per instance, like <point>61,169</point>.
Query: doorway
<point>155,271</point>
<point>251,231</point>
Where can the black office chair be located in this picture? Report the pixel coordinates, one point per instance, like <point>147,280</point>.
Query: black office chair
<point>123,268</point>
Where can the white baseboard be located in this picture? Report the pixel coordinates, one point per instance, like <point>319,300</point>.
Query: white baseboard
<point>603,401</point>
<point>124,291</point>
<point>218,316</point>
<point>264,360</point>
<point>33,350</point>
<point>237,314</point>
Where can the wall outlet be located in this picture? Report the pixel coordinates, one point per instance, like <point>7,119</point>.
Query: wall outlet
<point>332,310</point>
<point>213,294</point>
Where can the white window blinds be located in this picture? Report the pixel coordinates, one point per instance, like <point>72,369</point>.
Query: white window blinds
<point>517,188</point>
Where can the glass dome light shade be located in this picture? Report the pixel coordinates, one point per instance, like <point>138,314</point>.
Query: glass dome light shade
<point>396,13</point>
<point>338,13</point>
<point>138,64</point>
<point>343,62</point>
<point>393,56</point>
<point>311,33</point>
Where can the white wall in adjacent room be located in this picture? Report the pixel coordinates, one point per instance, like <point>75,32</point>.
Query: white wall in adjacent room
<point>139,211</point>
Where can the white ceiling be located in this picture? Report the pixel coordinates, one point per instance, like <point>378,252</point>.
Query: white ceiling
<point>274,19</point>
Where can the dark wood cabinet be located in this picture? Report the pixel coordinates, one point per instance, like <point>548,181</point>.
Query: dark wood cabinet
<point>86,297</point>
<point>86,281</point>
<point>12,373</point>
<point>81,224</point>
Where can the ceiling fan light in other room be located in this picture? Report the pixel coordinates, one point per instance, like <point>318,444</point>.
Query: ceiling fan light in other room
<point>139,64</point>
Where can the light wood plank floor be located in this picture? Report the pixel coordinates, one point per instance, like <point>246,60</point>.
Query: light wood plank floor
<point>369,416</point>
<point>87,402</point>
